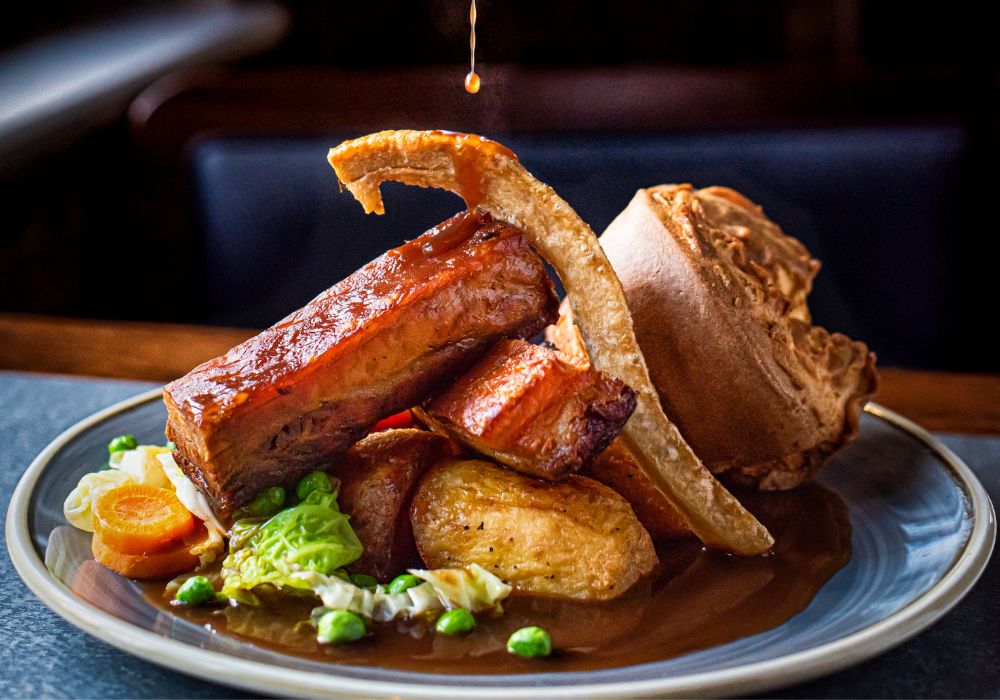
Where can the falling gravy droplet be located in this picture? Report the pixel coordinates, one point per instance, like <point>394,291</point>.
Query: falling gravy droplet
<point>472,79</point>
<point>472,83</point>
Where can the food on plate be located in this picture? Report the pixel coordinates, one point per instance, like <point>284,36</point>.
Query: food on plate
<point>574,539</point>
<point>533,409</point>
<point>195,591</point>
<point>617,466</point>
<point>156,541</point>
<point>310,536</point>
<point>145,532</point>
<point>272,408</point>
<point>340,627</point>
<point>530,642</point>
<point>403,419</point>
<point>457,621</point>
<point>136,518</point>
<point>377,478</point>
<point>152,565</point>
<point>718,295</point>
<point>397,451</point>
<point>490,178</point>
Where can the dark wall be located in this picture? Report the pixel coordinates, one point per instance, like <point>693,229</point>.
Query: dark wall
<point>916,36</point>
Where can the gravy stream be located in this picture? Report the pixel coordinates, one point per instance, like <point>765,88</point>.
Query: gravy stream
<point>472,79</point>
<point>696,599</point>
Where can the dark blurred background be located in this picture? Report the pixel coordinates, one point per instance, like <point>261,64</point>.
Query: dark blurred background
<point>167,161</point>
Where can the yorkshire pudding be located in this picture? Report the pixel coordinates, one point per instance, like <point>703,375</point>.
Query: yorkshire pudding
<point>718,297</point>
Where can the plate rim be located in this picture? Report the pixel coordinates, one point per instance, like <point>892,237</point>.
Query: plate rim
<point>258,676</point>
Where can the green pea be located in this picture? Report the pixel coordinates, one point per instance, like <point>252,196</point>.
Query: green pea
<point>363,580</point>
<point>171,445</point>
<point>316,481</point>
<point>122,443</point>
<point>457,621</point>
<point>402,583</point>
<point>531,642</point>
<point>339,627</point>
<point>268,502</point>
<point>195,591</point>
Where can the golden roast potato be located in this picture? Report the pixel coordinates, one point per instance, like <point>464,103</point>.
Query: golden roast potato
<point>572,539</point>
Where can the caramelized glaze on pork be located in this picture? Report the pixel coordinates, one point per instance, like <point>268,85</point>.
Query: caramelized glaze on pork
<point>536,410</point>
<point>287,400</point>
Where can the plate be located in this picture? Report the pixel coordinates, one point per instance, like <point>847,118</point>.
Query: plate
<point>923,530</point>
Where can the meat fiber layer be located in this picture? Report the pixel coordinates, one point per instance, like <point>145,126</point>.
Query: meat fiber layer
<point>380,341</point>
<point>534,409</point>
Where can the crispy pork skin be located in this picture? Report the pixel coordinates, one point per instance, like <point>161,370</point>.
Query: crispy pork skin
<point>377,478</point>
<point>573,539</point>
<point>534,409</point>
<point>306,389</point>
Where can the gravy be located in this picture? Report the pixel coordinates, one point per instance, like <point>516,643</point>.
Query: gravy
<point>696,599</point>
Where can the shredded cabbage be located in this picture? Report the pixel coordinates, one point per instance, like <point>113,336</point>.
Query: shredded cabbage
<point>142,465</point>
<point>472,588</point>
<point>313,536</point>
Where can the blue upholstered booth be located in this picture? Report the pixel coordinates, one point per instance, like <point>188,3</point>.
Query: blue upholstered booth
<point>876,205</point>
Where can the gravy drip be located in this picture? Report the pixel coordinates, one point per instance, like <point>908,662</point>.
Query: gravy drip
<point>698,598</point>
<point>472,79</point>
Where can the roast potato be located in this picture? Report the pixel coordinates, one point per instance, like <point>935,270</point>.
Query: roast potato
<point>573,539</point>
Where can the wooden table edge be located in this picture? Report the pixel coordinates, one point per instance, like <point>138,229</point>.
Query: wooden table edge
<point>939,401</point>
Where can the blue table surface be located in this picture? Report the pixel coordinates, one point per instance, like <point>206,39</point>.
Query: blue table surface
<point>43,656</point>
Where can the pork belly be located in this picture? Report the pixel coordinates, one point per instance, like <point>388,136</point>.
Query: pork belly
<point>536,410</point>
<point>287,400</point>
<point>378,476</point>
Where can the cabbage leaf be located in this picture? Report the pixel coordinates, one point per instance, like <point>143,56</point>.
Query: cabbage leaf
<point>312,536</point>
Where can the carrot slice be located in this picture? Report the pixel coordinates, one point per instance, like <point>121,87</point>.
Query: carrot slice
<point>140,519</point>
<point>163,564</point>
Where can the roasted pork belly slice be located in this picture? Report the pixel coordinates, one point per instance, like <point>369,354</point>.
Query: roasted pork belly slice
<point>378,476</point>
<point>536,410</point>
<point>306,389</point>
